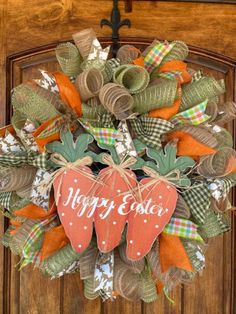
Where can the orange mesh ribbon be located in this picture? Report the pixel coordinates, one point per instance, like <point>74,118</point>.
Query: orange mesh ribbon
<point>41,142</point>
<point>33,211</point>
<point>173,254</point>
<point>54,240</point>
<point>175,65</point>
<point>68,93</point>
<point>188,146</point>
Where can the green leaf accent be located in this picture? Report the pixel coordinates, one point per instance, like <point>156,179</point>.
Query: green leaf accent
<point>112,151</point>
<point>166,160</point>
<point>69,149</point>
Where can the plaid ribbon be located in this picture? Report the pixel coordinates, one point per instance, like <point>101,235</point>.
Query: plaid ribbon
<point>33,159</point>
<point>155,56</point>
<point>197,76</point>
<point>51,129</point>
<point>170,75</point>
<point>5,199</point>
<point>194,115</point>
<point>35,233</point>
<point>149,130</point>
<point>198,198</point>
<point>102,135</point>
<point>182,228</point>
<point>103,121</point>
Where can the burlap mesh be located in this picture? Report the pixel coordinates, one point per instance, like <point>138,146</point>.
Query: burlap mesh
<point>29,103</point>
<point>69,59</point>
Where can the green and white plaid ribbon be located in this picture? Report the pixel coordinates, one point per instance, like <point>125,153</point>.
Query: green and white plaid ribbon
<point>182,228</point>
<point>198,198</point>
<point>149,130</point>
<point>28,255</point>
<point>195,115</point>
<point>5,199</point>
<point>52,129</point>
<point>106,136</point>
<point>33,159</point>
<point>155,56</point>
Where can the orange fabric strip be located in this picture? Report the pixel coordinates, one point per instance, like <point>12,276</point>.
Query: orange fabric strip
<point>159,286</point>
<point>176,65</point>
<point>54,240</point>
<point>8,128</point>
<point>166,113</point>
<point>41,142</point>
<point>188,146</point>
<point>68,92</point>
<point>33,211</point>
<point>173,254</point>
<point>139,61</point>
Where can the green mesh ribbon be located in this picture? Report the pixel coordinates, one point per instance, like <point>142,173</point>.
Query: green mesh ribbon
<point>91,112</point>
<point>195,254</point>
<point>132,77</point>
<point>215,224</point>
<point>198,91</point>
<point>160,95</point>
<point>89,292</point>
<point>178,52</point>
<point>148,287</point>
<point>33,106</point>
<point>60,260</point>
<point>69,59</point>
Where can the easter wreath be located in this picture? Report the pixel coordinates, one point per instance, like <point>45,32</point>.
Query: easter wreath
<point>117,168</point>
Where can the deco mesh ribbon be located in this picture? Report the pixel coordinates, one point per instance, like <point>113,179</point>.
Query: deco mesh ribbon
<point>118,169</point>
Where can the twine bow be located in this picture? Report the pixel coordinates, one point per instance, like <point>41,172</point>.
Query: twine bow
<point>121,169</point>
<point>168,178</point>
<point>65,165</point>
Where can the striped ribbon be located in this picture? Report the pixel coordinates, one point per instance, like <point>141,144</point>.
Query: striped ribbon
<point>155,56</point>
<point>182,228</point>
<point>102,135</point>
<point>195,115</point>
<point>28,255</point>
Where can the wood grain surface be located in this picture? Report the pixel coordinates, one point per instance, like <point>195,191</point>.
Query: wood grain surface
<point>26,25</point>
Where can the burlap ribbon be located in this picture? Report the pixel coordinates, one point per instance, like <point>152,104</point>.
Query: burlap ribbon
<point>69,59</point>
<point>116,100</point>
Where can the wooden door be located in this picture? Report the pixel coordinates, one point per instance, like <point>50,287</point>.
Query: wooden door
<point>29,291</point>
<point>25,26</point>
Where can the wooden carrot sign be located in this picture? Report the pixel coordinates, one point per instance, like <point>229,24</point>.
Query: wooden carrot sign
<point>159,197</point>
<point>71,185</point>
